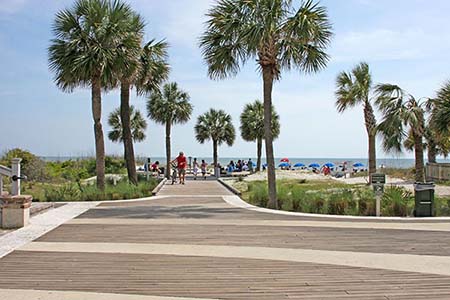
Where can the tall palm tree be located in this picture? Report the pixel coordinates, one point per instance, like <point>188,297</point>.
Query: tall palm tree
<point>252,126</point>
<point>146,69</point>
<point>87,51</point>
<point>125,78</point>
<point>437,135</point>
<point>441,111</point>
<point>353,89</point>
<point>137,122</point>
<point>402,114</point>
<point>277,36</point>
<point>168,107</point>
<point>215,125</point>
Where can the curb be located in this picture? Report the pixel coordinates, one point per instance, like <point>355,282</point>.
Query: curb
<point>158,187</point>
<point>229,187</point>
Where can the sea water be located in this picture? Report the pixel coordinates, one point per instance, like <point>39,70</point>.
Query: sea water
<point>399,163</point>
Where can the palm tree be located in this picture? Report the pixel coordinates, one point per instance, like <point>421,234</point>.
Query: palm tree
<point>125,79</point>
<point>252,126</point>
<point>353,89</point>
<point>215,125</point>
<point>137,122</point>
<point>168,107</point>
<point>277,36</point>
<point>147,68</point>
<point>87,51</point>
<point>441,110</point>
<point>402,114</point>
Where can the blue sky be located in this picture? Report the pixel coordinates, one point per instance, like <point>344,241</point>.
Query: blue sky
<point>405,42</point>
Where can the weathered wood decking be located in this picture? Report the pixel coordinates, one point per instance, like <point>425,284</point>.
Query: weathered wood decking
<point>136,248</point>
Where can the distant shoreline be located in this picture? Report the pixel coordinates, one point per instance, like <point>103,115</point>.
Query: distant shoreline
<point>400,163</point>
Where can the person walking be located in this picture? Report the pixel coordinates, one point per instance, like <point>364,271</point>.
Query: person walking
<point>195,167</point>
<point>203,168</point>
<point>181,166</point>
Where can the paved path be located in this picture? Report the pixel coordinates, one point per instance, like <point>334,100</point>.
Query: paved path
<point>189,243</point>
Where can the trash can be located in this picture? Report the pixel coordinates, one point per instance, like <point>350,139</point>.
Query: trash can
<point>424,199</point>
<point>217,172</point>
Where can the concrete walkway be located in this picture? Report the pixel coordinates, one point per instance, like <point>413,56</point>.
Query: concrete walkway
<point>189,243</point>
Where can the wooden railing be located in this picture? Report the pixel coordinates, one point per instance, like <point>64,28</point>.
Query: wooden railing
<point>437,171</point>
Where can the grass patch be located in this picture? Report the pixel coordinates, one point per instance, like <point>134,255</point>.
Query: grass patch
<point>77,192</point>
<point>331,197</point>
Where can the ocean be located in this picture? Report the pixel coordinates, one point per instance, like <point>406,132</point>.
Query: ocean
<point>400,163</point>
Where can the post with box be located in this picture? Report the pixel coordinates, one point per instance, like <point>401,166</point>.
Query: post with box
<point>378,180</point>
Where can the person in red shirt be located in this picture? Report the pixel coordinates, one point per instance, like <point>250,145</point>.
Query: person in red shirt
<point>181,166</point>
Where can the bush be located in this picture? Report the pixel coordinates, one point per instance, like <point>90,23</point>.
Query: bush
<point>31,165</point>
<point>397,201</point>
<point>66,192</point>
<point>442,206</point>
<point>258,194</point>
<point>366,202</point>
<point>77,192</point>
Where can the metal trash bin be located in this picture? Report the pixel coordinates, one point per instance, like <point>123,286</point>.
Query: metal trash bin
<point>424,199</point>
<point>217,172</point>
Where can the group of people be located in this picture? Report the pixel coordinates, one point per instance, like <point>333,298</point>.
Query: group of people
<point>240,166</point>
<point>179,164</point>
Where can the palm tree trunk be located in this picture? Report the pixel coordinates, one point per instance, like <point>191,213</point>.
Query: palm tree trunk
<point>215,153</point>
<point>98,131</point>
<point>271,177</point>
<point>168,154</point>
<point>126,131</point>
<point>371,123</point>
<point>431,153</point>
<point>258,153</point>
<point>418,151</point>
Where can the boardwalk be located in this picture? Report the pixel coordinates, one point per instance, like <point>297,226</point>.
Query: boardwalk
<point>189,243</point>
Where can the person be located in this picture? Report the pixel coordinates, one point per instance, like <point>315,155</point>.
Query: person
<point>195,166</point>
<point>181,166</point>
<point>239,166</point>
<point>326,170</point>
<point>203,168</point>
<point>230,167</point>
<point>155,168</point>
<point>250,165</point>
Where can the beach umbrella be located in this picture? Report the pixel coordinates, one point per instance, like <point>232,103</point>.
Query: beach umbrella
<point>284,165</point>
<point>314,165</point>
<point>284,159</point>
<point>329,165</point>
<point>298,165</point>
<point>358,165</point>
<point>264,165</point>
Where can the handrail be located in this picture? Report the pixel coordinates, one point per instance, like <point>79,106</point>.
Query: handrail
<point>5,171</point>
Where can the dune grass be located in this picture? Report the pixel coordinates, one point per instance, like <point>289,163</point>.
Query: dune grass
<point>331,197</point>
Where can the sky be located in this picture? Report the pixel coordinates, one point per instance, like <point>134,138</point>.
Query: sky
<point>406,42</point>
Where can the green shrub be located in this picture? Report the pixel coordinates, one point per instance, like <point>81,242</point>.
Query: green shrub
<point>397,201</point>
<point>258,194</point>
<point>77,192</point>
<point>31,165</point>
<point>365,198</point>
<point>442,206</point>
<point>65,192</point>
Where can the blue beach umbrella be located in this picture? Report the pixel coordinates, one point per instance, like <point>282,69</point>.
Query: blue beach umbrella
<point>284,165</point>
<point>329,165</point>
<point>358,165</point>
<point>264,165</point>
<point>314,165</point>
<point>298,165</point>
